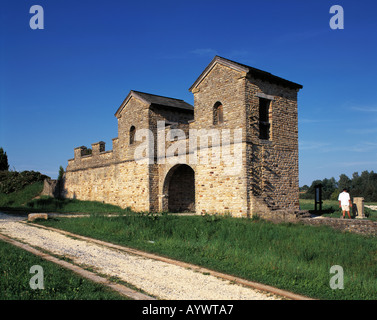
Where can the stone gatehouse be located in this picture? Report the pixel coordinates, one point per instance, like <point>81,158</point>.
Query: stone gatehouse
<point>234,152</point>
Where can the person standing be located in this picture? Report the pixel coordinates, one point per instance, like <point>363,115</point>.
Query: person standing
<point>345,202</point>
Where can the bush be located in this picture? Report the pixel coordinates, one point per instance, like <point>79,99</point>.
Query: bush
<point>11,181</point>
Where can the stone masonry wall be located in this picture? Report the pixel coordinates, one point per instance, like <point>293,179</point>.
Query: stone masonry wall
<point>364,227</point>
<point>177,119</point>
<point>273,163</point>
<point>125,184</point>
<point>221,187</point>
<point>113,176</point>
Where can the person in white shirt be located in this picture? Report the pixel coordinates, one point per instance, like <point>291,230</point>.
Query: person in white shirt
<point>345,202</point>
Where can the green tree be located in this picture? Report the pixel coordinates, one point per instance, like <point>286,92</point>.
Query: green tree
<point>61,173</point>
<point>328,188</point>
<point>311,190</point>
<point>365,185</point>
<point>60,184</point>
<point>344,182</point>
<point>4,166</point>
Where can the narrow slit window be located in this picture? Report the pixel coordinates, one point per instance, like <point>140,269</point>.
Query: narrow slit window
<point>264,119</point>
<point>218,113</point>
<point>132,134</point>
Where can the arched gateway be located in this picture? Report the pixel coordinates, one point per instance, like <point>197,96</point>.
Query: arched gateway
<point>179,189</point>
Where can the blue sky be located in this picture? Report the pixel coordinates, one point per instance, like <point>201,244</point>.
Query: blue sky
<point>60,86</point>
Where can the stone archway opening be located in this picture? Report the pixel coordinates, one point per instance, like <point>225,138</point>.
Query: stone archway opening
<point>179,189</point>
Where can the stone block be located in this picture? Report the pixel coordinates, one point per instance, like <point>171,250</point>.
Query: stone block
<point>359,207</point>
<point>34,216</point>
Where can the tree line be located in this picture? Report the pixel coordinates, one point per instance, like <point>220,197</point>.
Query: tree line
<point>363,185</point>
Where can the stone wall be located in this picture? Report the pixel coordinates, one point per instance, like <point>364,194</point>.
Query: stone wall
<point>364,227</point>
<point>272,163</point>
<point>221,186</point>
<point>113,176</point>
<point>50,188</point>
<point>124,184</point>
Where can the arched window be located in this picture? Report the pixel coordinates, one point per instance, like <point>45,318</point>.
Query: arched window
<point>132,134</point>
<point>218,113</point>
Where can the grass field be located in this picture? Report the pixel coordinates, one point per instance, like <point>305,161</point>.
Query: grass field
<point>330,208</point>
<point>28,200</point>
<point>20,198</point>
<point>59,283</point>
<point>289,256</point>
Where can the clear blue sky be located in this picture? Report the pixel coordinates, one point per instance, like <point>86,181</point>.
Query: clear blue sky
<point>60,87</point>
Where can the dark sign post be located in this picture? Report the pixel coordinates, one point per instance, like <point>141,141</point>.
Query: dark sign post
<point>318,197</point>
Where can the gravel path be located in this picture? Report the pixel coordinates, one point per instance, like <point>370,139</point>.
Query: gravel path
<point>158,278</point>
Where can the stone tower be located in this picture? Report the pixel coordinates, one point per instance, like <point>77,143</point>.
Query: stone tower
<point>265,107</point>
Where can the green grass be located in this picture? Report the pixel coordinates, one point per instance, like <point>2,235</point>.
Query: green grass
<point>59,283</point>
<point>23,201</point>
<point>293,257</point>
<point>330,208</point>
<point>18,199</point>
<point>289,256</point>
<point>48,204</point>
